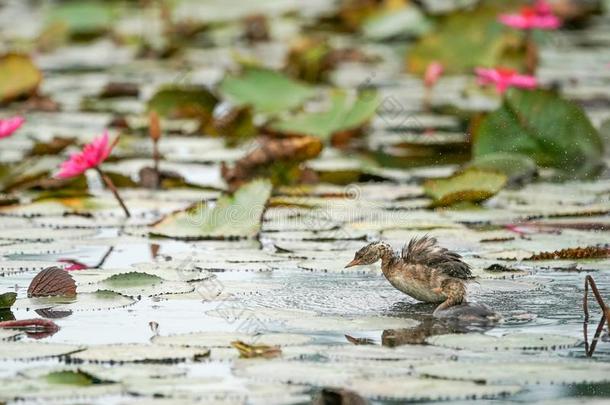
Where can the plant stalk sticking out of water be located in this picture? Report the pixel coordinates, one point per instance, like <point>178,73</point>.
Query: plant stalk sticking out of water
<point>589,282</point>
<point>154,130</point>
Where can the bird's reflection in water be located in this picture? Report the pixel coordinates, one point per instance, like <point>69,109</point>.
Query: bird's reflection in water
<point>467,317</point>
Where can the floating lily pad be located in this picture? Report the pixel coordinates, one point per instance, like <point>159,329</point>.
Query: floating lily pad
<point>9,334</point>
<point>266,90</point>
<point>55,387</point>
<point>541,124</point>
<point>515,341</point>
<point>19,77</point>
<point>35,350</point>
<point>138,353</point>
<point>522,372</point>
<point>422,389</point>
<point>344,114</point>
<point>236,216</point>
<point>135,284</point>
<point>221,339</point>
<point>468,186</point>
<point>346,324</point>
<point>83,301</point>
<point>7,300</point>
<point>20,266</point>
<point>183,102</point>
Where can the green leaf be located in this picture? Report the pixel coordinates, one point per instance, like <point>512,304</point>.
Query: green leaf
<point>517,167</point>
<point>184,102</point>
<point>554,132</point>
<point>68,377</point>
<point>7,300</point>
<point>84,19</point>
<point>344,114</point>
<point>468,186</point>
<point>233,216</point>
<point>19,77</point>
<point>267,91</point>
<point>467,39</point>
<point>391,23</point>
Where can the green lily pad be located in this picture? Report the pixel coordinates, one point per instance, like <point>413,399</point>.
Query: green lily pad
<point>84,19</point>
<point>471,185</point>
<point>553,131</point>
<point>19,77</point>
<point>224,339</point>
<point>518,168</point>
<point>267,91</point>
<point>184,102</point>
<point>233,216</point>
<point>407,21</point>
<point>344,114</point>
<point>7,300</point>
<point>134,284</point>
<point>465,40</point>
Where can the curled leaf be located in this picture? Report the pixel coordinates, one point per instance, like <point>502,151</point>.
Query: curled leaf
<point>52,281</point>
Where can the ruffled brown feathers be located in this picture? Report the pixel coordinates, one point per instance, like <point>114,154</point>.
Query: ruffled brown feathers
<point>427,252</point>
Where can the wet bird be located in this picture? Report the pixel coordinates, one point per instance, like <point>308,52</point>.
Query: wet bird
<point>423,270</point>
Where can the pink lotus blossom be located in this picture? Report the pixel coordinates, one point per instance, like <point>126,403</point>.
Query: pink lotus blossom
<point>10,125</point>
<point>504,78</point>
<point>92,155</point>
<point>540,16</point>
<point>433,73</point>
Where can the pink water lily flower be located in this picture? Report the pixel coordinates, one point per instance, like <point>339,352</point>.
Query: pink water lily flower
<point>10,125</point>
<point>92,155</point>
<point>433,73</point>
<point>540,16</point>
<point>504,78</point>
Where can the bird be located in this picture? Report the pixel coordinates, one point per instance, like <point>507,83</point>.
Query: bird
<point>423,270</point>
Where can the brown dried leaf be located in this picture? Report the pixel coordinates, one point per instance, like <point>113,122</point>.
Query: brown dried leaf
<point>253,351</point>
<point>590,252</point>
<point>270,152</point>
<point>52,281</point>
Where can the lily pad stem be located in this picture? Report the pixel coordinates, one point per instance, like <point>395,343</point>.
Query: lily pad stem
<point>114,190</point>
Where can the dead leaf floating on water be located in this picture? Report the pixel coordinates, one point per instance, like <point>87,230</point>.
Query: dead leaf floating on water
<point>253,351</point>
<point>52,281</point>
<point>289,151</point>
<point>19,77</point>
<point>590,252</point>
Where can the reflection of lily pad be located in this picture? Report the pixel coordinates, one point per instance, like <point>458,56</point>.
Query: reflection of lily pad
<point>468,186</point>
<point>235,216</point>
<point>266,90</point>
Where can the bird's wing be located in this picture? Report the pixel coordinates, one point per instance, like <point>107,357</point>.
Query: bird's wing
<point>427,252</point>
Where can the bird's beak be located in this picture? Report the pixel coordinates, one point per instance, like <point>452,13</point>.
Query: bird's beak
<point>353,263</point>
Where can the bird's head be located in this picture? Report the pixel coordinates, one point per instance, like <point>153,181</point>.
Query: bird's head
<point>369,254</point>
